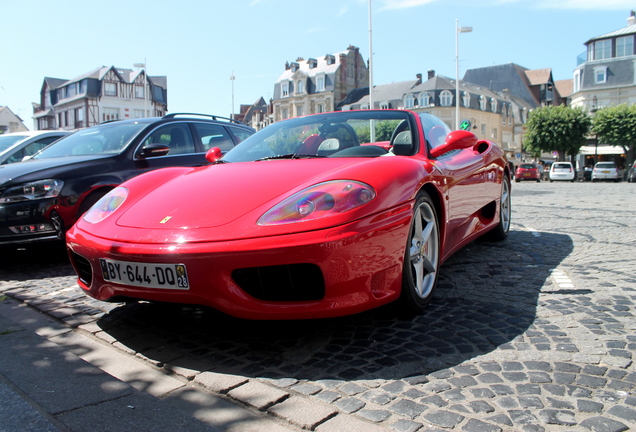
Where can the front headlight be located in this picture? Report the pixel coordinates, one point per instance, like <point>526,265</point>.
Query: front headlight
<point>319,201</point>
<point>49,188</point>
<point>106,205</point>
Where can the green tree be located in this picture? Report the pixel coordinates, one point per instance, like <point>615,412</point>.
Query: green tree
<point>557,128</point>
<point>616,126</point>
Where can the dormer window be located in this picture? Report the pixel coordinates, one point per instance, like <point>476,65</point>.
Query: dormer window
<point>493,105</point>
<point>409,101</point>
<point>466,99</point>
<point>300,87</point>
<point>482,102</point>
<point>320,83</point>
<point>425,99</point>
<point>294,66</point>
<point>446,98</point>
<point>330,59</point>
<point>313,63</point>
<point>600,74</point>
<point>284,89</point>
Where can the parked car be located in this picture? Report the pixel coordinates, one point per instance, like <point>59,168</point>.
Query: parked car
<point>42,197</point>
<point>631,173</point>
<point>562,171</point>
<point>605,171</point>
<point>528,171</point>
<point>308,218</point>
<point>15,146</point>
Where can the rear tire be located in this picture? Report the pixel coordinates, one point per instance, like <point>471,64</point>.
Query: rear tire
<point>421,256</point>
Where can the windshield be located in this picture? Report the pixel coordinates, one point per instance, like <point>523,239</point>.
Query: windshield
<point>605,165</point>
<point>108,138</point>
<point>346,133</point>
<point>9,140</point>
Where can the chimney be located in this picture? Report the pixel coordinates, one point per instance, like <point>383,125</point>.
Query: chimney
<point>419,78</point>
<point>632,18</point>
<point>431,73</point>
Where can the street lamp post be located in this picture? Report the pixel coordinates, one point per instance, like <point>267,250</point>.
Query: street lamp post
<point>232,78</point>
<point>143,65</point>
<point>458,30</point>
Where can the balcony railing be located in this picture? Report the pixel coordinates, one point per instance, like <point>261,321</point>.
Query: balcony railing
<point>581,58</point>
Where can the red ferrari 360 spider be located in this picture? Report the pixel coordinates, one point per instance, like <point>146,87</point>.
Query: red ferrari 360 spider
<point>317,216</point>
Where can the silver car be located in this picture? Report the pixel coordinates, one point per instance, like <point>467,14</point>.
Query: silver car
<point>605,171</point>
<point>15,146</point>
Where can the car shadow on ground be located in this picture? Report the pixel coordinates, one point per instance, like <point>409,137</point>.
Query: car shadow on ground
<point>486,299</point>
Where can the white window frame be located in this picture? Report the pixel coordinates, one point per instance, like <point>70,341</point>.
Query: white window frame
<point>483,102</point>
<point>425,99</point>
<point>625,46</point>
<point>384,105</point>
<point>284,89</point>
<point>602,49</point>
<point>446,98</point>
<point>139,92</point>
<point>110,114</point>
<point>300,87</point>
<point>576,84</point>
<point>110,89</point>
<point>409,101</point>
<point>320,83</point>
<point>321,108</point>
<point>493,105</point>
<point>600,74</point>
<point>466,99</point>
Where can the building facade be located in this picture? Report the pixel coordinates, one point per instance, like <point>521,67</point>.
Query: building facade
<point>9,122</point>
<point>317,85</point>
<point>104,94</point>
<point>606,76</point>
<point>496,117</point>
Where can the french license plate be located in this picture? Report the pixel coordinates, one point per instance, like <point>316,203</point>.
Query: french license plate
<point>162,276</point>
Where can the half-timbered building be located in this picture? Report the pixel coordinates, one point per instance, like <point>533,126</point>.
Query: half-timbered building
<point>104,94</point>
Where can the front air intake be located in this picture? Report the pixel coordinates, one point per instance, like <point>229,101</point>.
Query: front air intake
<point>293,282</point>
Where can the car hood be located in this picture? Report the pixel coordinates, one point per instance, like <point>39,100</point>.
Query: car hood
<point>224,202</point>
<point>217,195</point>
<point>36,169</point>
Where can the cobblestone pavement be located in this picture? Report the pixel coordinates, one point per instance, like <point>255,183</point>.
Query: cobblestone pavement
<point>533,334</point>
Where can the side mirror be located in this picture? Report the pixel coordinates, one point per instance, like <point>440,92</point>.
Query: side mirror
<point>456,140</point>
<point>213,155</point>
<point>154,150</point>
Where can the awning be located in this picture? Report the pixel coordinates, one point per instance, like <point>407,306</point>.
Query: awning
<point>602,150</point>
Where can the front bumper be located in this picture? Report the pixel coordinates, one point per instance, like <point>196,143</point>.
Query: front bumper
<point>28,221</point>
<point>360,264</point>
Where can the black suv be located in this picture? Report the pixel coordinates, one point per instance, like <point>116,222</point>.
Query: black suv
<point>42,197</point>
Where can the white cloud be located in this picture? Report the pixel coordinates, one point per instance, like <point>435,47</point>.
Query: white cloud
<point>626,5</point>
<point>403,4</point>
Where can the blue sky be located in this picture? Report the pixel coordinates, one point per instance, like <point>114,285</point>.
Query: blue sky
<point>198,44</point>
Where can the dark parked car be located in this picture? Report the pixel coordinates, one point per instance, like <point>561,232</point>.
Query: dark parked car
<point>42,197</point>
<point>16,146</point>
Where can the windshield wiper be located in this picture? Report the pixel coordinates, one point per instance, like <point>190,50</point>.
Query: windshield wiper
<point>289,156</point>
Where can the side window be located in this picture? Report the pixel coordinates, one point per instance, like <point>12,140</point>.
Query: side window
<point>15,157</point>
<point>214,136</point>
<point>241,134</point>
<point>176,136</point>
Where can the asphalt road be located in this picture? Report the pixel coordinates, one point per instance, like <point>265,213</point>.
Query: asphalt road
<point>533,334</point>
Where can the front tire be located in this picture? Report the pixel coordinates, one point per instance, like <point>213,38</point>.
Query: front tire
<point>421,256</point>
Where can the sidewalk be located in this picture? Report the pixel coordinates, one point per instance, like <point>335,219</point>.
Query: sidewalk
<point>50,381</point>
